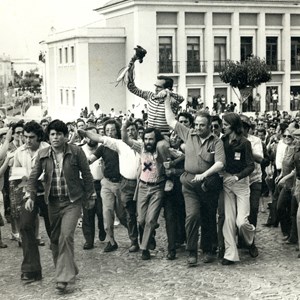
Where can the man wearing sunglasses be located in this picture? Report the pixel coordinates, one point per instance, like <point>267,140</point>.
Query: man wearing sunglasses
<point>216,126</point>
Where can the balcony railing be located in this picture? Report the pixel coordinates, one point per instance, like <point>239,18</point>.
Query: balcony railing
<point>196,66</point>
<point>219,65</point>
<point>168,66</point>
<point>295,65</point>
<point>277,65</point>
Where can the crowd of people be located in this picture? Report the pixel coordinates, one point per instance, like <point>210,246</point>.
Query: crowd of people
<point>210,175</point>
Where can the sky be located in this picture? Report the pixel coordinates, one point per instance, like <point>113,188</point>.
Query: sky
<point>24,23</point>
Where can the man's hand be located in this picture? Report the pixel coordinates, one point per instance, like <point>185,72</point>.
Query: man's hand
<point>231,180</point>
<point>162,94</point>
<point>29,205</point>
<point>90,203</point>
<point>199,177</point>
<point>81,133</point>
<point>8,136</point>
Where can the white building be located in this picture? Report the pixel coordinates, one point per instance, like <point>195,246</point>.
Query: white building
<point>187,40</point>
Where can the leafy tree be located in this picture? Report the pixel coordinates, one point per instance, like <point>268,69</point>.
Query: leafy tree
<point>30,81</point>
<point>245,76</point>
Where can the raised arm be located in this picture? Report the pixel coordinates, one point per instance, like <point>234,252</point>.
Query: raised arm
<point>170,117</point>
<point>91,135</point>
<point>5,146</point>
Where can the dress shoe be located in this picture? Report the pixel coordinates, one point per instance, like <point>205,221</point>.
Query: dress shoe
<point>61,286</point>
<point>146,255</point>
<point>253,251</point>
<point>31,277</point>
<point>152,243</point>
<point>226,262</point>
<point>291,242</point>
<point>2,245</point>
<point>192,259</point>
<point>208,258</point>
<point>15,236</point>
<point>285,238</point>
<point>134,248</point>
<point>102,235</point>
<point>40,242</point>
<point>88,246</point>
<point>109,247</point>
<point>171,255</point>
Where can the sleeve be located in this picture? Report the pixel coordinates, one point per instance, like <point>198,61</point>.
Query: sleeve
<point>86,174</point>
<point>137,146</point>
<point>249,162</point>
<point>33,178</point>
<point>99,151</point>
<point>16,160</point>
<point>182,131</point>
<point>111,143</point>
<point>220,152</point>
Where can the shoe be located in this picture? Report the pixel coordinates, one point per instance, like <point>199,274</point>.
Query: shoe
<point>253,251</point>
<point>208,258</point>
<point>134,248</point>
<point>152,243</point>
<point>61,286</point>
<point>88,246</point>
<point>192,259</point>
<point>15,236</point>
<point>102,235</point>
<point>171,255</point>
<point>298,255</point>
<point>2,245</point>
<point>169,185</point>
<point>226,262</point>
<point>291,242</point>
<point>297,248</point>
<point>285,238</point>
<point>40,242</point>
<point>109,247</point>
<point>31,277</point>
<point>146,255</point>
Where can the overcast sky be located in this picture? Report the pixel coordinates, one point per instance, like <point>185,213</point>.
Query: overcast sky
<point>24,23</point>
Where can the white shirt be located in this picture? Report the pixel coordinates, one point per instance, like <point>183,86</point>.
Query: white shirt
<point>280,150</point>
<point>129,160</point>
<point>257,148</point>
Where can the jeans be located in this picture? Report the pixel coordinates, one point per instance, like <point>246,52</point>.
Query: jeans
<point>149,203</point>
<point>174,213</point>
<point>63,216</point>
<point>111,199</point>
<point>88,220</point>
<point>127,189</point>
<point>201,209</point>
<point>255,192</point>
<point>237,209</point>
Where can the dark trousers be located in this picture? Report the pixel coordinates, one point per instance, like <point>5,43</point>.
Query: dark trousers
<point>88,219</point>
<point>255,192</point>
<point>5,192</point>
<point>31,256</point>
<point>174,213</point>
<point>284,210</point>
<point>127,189</point>
<point>200,208</point>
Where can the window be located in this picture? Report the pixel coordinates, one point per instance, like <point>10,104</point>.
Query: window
<point>66,55</point>
<point>67,97</point>
<point>246,47</point>
<point>60,55</point>
<point>193,54</point>
<point>166,18</point>
<point>295,53</point>
<point>194,100</point>
<point>165,55</point>
<point>72,54</point>
<point>271,53</point>
<point>73,97</point>
<point>219,53</point>
<point>61,96</point>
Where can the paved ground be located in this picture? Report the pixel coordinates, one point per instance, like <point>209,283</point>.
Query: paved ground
<point>120,275</point>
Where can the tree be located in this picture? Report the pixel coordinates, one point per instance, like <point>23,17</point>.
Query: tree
<point>245,76</point>
<point>30,81</point>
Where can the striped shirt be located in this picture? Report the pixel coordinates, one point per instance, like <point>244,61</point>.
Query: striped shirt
<point>156,107</point>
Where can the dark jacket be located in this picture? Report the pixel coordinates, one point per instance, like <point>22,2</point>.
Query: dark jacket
<point>76,172</point>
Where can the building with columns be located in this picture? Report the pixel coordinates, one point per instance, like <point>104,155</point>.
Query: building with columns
<point>190,41</point>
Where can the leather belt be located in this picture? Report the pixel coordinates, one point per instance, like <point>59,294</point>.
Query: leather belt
<point>151,183</point>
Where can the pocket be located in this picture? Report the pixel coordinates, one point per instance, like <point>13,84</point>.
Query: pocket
<point>207,157</point>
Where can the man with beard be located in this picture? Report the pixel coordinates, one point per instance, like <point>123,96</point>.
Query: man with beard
<point>150,190</point>
<point>201,183</point>
<point>88,220</point>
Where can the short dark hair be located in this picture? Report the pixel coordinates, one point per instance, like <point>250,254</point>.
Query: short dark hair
<point>36,128</point>
<point>187,116</point>
<point>91,128</point>
<point>44,120</point>
<point>58,126</point>
<point>158,135</point>
<point>235,122</point>
<point>204,114</point>
<point>18,124</point>
<point>216,119</point>
<point>133,124</point>
<point>168,81</point>
<point>79,120</point>
<point>113,121</point>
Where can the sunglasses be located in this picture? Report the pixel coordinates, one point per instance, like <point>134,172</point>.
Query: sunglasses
<point>287,136</point>
<point>215,126</point>
<point>159,86</point>
<point>19,132</point>
<point>185,121</point>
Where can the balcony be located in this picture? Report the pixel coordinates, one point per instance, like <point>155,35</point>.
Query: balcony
<point>219,65</point>
<point>295,65</point>
<point>168,67</point>
<point>196,66</point>
<point>276,66</point>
